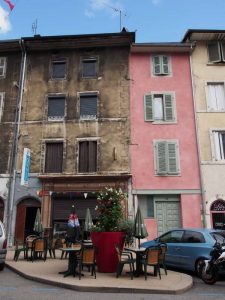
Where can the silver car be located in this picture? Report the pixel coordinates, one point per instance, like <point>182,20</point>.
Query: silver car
<point>3,246</point>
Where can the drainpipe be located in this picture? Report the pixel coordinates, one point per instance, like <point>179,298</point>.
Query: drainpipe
<point>14,154</point>
<point>198,147</point>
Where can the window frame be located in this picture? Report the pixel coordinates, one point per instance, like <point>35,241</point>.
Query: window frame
<point>88,94</point>
<point>167,111</point>
<point>216,145</point>
<point>3,67</point>
<point>2,98</point>
<point>208,99</point>
<point>55,61</point>
<point>78,141</point>
<point>56,118</point>
<point>161,65</point>
<point>89,59</point>
<point>55,141</point>
<point>220,52</point>
<point>168,159</point>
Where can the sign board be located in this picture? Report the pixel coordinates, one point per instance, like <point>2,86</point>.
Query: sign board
<point>25,167</point>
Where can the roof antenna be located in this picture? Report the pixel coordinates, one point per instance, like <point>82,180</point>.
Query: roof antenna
<point>118,10</point>
<point>34,27</point>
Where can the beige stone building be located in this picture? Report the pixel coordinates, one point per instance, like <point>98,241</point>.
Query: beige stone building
<point>74,122</point>
<point>208,73</point>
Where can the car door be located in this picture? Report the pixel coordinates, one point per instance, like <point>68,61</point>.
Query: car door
<point>173,240</point>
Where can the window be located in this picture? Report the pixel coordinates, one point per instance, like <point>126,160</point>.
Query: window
<point>216,51</point>
<point>174,236</point>
<point>160,65</point>
<point>56,107</point>
<point>59,69</point>
<point>87,156</point>
<point>216,96</point>
<point>2,66</point>
<point>166,157</point>
<point>89,67</point>
<point>219,144</point>
<point>54,157</point>
<point>159,107</point>
<point>88,106</point>
<point>146,204</point>
<point>193,237</point>
<point>1,105</point>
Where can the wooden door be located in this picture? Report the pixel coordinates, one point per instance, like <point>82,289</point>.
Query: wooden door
<point>20,222</point>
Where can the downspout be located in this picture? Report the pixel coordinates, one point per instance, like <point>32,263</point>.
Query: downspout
<point>198,147</point>
<point>15,145</point>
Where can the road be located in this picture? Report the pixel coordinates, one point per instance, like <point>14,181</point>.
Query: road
<point>13,286</point>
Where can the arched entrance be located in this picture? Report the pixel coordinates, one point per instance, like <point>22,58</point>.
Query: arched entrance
<point>26,212</point>
<point>217,211</point>
<point>1,209</point>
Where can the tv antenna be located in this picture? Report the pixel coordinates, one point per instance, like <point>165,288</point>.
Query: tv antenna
<point>34,27</point>
<point>118,10</point>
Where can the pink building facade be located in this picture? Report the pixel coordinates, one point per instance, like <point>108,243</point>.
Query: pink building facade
<point>164,155</point>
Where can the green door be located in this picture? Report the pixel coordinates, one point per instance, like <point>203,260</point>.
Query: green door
<point>167,212</point>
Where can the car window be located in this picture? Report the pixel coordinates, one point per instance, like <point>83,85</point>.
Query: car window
<point>193,237</point>
<point>218,237</point>
<point>174,236</point>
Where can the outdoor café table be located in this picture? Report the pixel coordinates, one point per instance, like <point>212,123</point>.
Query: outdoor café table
<point>72,262</point>
<point>139,252</point>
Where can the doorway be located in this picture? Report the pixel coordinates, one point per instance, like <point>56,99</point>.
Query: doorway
<point>1,209</point>
<point>217,211</point>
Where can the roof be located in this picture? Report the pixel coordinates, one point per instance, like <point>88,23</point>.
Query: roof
<point>203,35</point>
<point>161,47</point>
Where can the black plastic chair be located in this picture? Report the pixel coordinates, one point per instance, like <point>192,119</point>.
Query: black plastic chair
<point>20,247</point>
<point>124,258</point>
<point>151,258</point>
<point>162,253</point>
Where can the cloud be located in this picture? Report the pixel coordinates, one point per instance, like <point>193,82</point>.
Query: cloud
<point>5,24</point>
<point>110,6</point>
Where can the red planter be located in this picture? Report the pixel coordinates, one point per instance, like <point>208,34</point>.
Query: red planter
<point>106,257</point>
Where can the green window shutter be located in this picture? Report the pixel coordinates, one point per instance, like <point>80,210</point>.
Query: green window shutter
<point>156,65</point>
<point>168,107</point>
<point>172,157</point>
<point>161,158</point>
<point>148,108</point>
<point>214,52</point>
<point>165,65</point>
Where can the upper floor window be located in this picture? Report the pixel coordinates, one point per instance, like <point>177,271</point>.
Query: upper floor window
<point>216,51</point>
<point>161,65</point>
<point>219,144</point>
<point>89,67</point>
<point>87,157</point>
<point>56,107</point>
<point>59,69</point>
<point>54,157</point>
<point>216,96</point>
<point>160,107</point>
<point>2,66</point>
<point>1,105</point>
<point>88,105</point>
<point>167,157</point>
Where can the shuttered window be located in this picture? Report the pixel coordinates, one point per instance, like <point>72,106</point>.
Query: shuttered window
<point>2,66</point>
<point>160,107</point>
<point>161,65</point>
<point>88,106</point>
<point>1,105</point>
<point>56,107</point>
<point>216,96</point>
<point>58,69</point>
<point>89,67</point>
<point>216,51</point>
<point>219,145</point>
<point>54,157</point>
<point>87,156</point>
<point>166,157</point>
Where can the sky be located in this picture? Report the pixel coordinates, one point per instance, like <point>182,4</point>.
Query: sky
<point>152,20</point>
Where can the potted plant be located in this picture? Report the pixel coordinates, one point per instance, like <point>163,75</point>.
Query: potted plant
<point>110,228</point>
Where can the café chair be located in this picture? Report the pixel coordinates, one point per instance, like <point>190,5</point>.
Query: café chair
<point>151,258</point>
<point>39,249</point>
<point>54,244</point>
<point>20,247</point>
<point>162,254</point>
<point>124,258</point>
<point>87,259</point>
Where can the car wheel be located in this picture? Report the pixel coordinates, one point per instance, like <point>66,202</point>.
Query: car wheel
<point>198,266</point>
<point>2,266</point>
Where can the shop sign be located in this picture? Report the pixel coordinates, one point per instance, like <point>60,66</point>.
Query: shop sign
<point>25,167</point>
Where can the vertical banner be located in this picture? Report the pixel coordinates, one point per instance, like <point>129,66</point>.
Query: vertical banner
<point>25,167</point>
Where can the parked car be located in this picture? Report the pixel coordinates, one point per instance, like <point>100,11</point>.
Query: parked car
<point>3,246</point>
<point>188,247</point>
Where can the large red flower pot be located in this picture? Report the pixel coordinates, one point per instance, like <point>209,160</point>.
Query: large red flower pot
<point>106,256</point>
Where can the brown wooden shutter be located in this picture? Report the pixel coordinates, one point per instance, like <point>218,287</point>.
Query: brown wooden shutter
<point>92,156</point>
<point>87,156</point>
<point>54,158</point>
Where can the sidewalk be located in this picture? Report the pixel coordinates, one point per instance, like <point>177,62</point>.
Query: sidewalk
<point>47,272</point>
